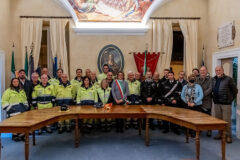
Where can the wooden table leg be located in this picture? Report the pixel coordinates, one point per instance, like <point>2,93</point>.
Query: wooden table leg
<point>140,127</point>
<point>197,145</point>
<point>147,133</point>
<point>187,135</point>
<point>26,146</point>
<point>76,134</point>
<point>34,138</point>
<point>223,144</point>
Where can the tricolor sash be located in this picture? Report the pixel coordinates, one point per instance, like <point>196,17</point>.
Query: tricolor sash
<point>120,88</point>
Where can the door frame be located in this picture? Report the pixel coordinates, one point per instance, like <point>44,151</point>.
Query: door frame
<point>2,81</point>
<point>216,61</point>
<point>49,52</point>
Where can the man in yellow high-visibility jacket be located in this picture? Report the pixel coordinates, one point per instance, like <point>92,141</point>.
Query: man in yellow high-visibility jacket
<point>65,95</point>
<point>104,74</point>
<point>133,97</point>
<point>43,96</point>
<point>77,81</point>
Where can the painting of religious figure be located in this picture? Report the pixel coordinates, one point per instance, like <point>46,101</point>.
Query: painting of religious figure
<point>113,57</point>
<point>110,10</point>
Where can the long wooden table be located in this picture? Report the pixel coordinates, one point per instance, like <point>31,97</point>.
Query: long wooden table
<point>30,121</point>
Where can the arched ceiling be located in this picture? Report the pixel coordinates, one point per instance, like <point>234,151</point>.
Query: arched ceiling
<point>111,16</point>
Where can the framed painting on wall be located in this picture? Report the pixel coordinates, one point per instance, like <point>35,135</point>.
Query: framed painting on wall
<point>113,57</point>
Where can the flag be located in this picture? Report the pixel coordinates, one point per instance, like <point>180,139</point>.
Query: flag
<point>55,67</point>
<point>13,65</point>
<point>145,64</point>
<point>31,63</point>
<point>203,56</point>
<point>152,60</point>
<point>26,63</point>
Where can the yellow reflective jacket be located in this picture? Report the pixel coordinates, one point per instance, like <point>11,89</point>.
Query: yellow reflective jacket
<point>104,95</point>
<point>65,94</point>
<point>134,87</point>
<point>43,97</point>
<point>101,77</point>
<point>89,94</point>
<point>76,83</point>
<point>14,102</point>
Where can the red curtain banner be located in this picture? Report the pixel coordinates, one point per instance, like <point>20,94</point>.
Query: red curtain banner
<point>152,60</point>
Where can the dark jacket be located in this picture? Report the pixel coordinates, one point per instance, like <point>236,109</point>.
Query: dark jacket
<point>159,89</point>
<point>28,88</point>
<point>163,79</point>
<point>206,85</point>
<point>225,92</point>
<point>33,85</point>
<point>175,95</point>
<point>183,82</point>
<point>148,89</point>
<point>110,83</point>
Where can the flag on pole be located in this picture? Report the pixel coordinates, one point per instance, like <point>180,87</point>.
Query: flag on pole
<point>13,65</point>
<point>55,67</point>
<point>31,61</point>
<point>203,56</point>
<point>145,64</point>
<point>26,63</point>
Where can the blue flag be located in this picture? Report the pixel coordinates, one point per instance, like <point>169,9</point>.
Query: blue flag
<point>55,67</point>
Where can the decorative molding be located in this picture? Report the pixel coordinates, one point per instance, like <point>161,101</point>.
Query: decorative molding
<point>111,28</point>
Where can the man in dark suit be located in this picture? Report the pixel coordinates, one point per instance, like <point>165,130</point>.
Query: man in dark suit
<point>165,77</point>
<point>224,92</point>
<point>148,94</point>
<point>181,78</point>
<point>171,97</point>
<point>26,85</point>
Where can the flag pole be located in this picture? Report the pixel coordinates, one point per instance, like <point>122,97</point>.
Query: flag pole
<point>32,47</point>
<point>26,62</point>
<point>13,70</point>
<point>145,61</point>
<point>31,59</point>
<point>203,56</point>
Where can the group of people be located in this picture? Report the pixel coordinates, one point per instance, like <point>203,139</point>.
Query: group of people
<point>197,92</point>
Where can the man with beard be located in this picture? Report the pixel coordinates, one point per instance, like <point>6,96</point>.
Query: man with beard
<point>26,85</point>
